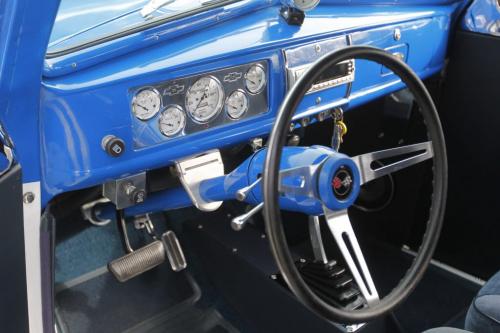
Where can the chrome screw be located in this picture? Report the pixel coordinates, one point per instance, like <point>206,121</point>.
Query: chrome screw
<point>397,34</point>
<point>28,197</point>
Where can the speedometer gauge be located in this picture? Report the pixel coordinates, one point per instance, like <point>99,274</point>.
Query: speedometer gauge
<point>204,99</point>
<point>255,79</point>
<point>303,5</point>
<point>172,120</point>
<point>146,103</point>
<point>237,104</point>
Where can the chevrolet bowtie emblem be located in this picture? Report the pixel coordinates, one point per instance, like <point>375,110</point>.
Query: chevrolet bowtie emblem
<point>174,89</point>
<point>233,76</point>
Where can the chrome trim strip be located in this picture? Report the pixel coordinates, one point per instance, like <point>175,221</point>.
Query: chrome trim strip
<point>32,221</point>
<point>448,268</point>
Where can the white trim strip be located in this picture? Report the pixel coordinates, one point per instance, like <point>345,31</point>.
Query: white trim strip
<point>32,226</point>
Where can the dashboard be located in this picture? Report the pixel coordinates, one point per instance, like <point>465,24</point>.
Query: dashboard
<point>221,86</point>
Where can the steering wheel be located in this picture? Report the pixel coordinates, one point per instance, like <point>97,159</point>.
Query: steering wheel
<point>360,170</point>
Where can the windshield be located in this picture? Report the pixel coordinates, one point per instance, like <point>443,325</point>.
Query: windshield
<point>82,21</point>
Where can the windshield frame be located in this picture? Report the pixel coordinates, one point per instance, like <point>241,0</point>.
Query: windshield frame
<point>137,28</point>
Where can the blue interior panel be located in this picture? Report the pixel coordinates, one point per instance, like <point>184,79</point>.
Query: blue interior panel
<point>82,105</point>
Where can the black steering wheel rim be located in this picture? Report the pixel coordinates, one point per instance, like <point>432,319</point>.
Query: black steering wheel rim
<point>271,210</point>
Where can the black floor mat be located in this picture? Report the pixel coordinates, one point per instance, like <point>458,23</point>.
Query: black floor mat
<point>440,299</point>
<point>156,301</point>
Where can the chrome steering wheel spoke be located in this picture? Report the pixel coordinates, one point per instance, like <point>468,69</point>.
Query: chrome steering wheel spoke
<point>341,229</point>
<point>410,155</point>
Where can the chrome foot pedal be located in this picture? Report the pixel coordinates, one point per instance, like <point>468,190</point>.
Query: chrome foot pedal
<point>174,251</point>
<point>138,261</point>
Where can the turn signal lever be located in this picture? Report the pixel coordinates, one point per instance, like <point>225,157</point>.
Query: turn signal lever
<point>238,223</point>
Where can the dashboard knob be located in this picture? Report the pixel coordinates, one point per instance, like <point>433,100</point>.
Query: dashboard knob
<point>113,145</point>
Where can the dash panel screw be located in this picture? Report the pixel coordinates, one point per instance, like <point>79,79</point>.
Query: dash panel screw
<point>397,34</point>
<point>28,197</point>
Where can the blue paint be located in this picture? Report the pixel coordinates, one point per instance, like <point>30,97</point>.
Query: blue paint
<point>483,16</point>
<point>81,108</point>
<point>224,188</point>
<point>325,182</point>
<point>61,144</point>
<point>24,33</point>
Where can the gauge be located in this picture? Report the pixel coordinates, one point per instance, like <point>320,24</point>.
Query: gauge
<point>237,104</point>
<point>303,5</point>
<point>204,99</point>
<point>146,103</point>
<point>255,79</point>
<point>172,120</point>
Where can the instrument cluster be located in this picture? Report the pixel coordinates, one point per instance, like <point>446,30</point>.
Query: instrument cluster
<point>187,105</point>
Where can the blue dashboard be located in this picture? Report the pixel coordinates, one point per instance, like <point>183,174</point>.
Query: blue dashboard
<point>81,105</point>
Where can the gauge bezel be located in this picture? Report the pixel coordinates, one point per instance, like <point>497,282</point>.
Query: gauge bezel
<point>181,128</point>
<point>160,107</point>
<point>247,106</point>
<point>261,89</point>
<point>220,102</point>
<point>310,6</point>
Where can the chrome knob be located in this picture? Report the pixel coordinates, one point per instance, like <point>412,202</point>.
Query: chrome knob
<point>239,222</point>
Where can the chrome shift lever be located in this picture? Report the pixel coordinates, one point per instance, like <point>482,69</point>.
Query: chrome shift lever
<point>242,194</point>
<point>239,222</point>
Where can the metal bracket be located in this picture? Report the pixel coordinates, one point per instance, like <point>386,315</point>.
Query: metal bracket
<point>89,212</point>
<point>126,192</point>
<point>194,169</point>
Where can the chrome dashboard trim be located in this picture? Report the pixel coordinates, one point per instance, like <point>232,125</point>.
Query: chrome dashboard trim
<point>298,59</point>
<point>293,74</point>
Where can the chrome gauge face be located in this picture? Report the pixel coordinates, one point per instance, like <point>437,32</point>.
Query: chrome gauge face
<point>237,104</point>
<point>204,99</point>
<point>146,103</point>
<point>255,79</point>
<point>303,5</point>
<point>172,120</point>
